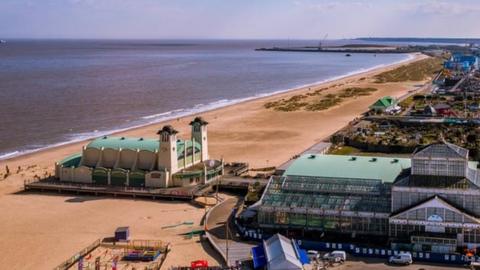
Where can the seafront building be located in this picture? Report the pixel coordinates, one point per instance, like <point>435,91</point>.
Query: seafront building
<point>385,104</point>
<point>140,162</point>
<point>428,202</point>
<point>461,62</point>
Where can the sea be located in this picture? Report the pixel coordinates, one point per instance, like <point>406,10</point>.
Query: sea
<point>54,92</point>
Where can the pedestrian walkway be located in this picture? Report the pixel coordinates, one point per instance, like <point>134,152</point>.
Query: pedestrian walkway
<point>217,233</point>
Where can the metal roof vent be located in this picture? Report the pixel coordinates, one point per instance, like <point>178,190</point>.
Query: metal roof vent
<point>105,137</point>
<point>353,158</point>
<point>373,160</point>
<point>122,138</point>
<point>311,156</point>
<point>141,139</point>
<point>395,160</point>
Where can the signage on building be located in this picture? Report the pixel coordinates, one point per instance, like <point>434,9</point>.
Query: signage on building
<point>435,218</point>
<point>435,228</point>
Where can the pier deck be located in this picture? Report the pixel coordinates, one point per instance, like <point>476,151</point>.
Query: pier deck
<point>183,193</point>
<point>180,193</point>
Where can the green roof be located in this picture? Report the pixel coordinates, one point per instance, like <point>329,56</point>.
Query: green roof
<point>384,102</point>
<point>151,145</point>
<point>72,161</point>
<point>385,169</point>
<point>125,143</point>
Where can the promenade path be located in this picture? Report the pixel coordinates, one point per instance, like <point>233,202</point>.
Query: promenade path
<point>217,234</point>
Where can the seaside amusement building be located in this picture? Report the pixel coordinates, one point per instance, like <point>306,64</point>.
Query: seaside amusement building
<point>140,162</point>
<point>427,203</point>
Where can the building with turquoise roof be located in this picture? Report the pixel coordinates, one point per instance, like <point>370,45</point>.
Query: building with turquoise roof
<point>140,162</point>
<point>428,202</point>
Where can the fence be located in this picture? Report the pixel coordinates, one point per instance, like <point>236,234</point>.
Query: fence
<point>72,260</point>
<point>364,251</point>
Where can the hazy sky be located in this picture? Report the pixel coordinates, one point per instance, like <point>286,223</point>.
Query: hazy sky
<point>310,19</point>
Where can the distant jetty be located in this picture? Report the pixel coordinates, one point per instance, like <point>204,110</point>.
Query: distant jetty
<point>347,49</point>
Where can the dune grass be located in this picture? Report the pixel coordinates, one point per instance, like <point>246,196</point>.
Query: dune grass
<point>417,71</point>
<point>324,103</point>
<point>356,91</point>
<point>310,102</point>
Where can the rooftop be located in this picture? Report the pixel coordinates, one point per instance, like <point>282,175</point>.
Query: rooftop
<point>280,252</point>
<point>117,143</point>
<point>386,169</point>
<point>442,150</point>
<point>384,102</point>
<point>151,145</point>
<point>72,160</point>
<point>327,196</point>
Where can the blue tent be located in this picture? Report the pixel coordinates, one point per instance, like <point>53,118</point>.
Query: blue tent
<point>302,254</point>
<point>258,254</point>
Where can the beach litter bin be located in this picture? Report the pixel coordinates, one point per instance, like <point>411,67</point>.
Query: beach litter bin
<point>122,234</point>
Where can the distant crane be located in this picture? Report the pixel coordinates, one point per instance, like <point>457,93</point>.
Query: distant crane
<point>322,41</point>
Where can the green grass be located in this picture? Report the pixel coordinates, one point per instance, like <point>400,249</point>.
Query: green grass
<point>309,103</point>
<point>345,150</point>
<point>356,91</point>
<point>326,102</point>
<point>417,71</point>
<point>406,102</point>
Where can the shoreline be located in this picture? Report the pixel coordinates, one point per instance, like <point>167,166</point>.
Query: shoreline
<point>242,132</point>
<point>188,112</point>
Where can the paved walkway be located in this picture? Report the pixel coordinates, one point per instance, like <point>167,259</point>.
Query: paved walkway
<point>216,233</point>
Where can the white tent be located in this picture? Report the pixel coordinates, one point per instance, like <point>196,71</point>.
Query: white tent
<point>280,254</point>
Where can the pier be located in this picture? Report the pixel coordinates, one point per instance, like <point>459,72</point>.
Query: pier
<point>347,50</point>
<point>180,193</point>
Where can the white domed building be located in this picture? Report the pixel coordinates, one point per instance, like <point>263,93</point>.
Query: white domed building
<point>141,162</point>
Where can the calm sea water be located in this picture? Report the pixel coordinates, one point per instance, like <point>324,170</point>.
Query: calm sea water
<point>53,92</point>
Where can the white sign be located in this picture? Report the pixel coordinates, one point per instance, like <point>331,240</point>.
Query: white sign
<point>435,218</point>
<point>435,228</point>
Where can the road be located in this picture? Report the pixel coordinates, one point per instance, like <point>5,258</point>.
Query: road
<point>237,250</point>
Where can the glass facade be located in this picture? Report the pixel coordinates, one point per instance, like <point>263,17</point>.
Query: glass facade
<point>310,221</point>
<point>325,204</point>
<point>435,206</point>
<point>403,199</point>
<point>440,167</point>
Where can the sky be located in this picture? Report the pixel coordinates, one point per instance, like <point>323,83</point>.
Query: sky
<point>238,19</point>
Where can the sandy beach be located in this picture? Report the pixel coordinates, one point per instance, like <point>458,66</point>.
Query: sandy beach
<point>38,231</point>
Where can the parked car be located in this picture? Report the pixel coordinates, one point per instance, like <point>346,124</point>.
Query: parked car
<point>313,255</point>
<point>404,258</point>
<point>337,256</point>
